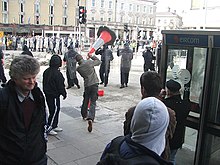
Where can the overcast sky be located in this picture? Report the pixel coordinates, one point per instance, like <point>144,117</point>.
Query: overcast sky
<point>178,5</point>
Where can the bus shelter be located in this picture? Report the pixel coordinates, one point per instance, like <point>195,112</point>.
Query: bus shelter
<point>192,58</point>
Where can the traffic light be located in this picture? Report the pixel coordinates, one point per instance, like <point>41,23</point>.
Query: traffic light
<point>126,27</point>
<point>82,15</point>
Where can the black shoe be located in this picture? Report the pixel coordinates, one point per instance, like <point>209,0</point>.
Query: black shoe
<point>101,83</point>
<point>68,87</point>
<point>105,85</point>
<point>126,85</point>
<point>78,86</point>
<point>90,125</point>
<point>122,86</point>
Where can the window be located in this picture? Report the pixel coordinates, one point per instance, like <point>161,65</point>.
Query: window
<point>151,9</point>
<point>130,7</point>
<point>51,9</point>
<point>110,4</point>
<point>93,3</point>
<point>138,8</point>
<point>5,6</point>
<point>64,20</point>
<point>93,19</point>
<point>37,19</point>
<point>109,19</point>
<point>102,19</point>
<point>5,18</point>
<point>21,19</point>
<point>51,21</point>
<point>65,11</point>
<point>102,3</point>
<point>21,7</point>
<point>145,9</point>
<point>122,6</point>
<point>37,8</point>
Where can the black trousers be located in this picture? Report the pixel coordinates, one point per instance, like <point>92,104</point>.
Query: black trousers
<point>104,73</point>
<point>53,104</point>
<point>124,78</point>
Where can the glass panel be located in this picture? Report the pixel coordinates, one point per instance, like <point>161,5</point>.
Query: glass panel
<point>187,66</point>
<point>211,150</point>
<point>176,66</point>
<point>214,113</point>
<point>186,154</point>
<point>198,72</point>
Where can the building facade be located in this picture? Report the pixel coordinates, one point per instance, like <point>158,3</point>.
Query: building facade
<point>32,17</point>
<point>60,17</point>
<point>167,21</point>
<point>137,15</point>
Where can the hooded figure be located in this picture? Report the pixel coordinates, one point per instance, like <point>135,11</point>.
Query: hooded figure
<point>70,59</point>
<point>147,140</point>
<point>126,57</point>
<point>26,51</point>
<point>149,124</point>
<point>53,87</point>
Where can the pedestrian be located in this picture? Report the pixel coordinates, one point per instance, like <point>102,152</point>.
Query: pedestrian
<point>148,58</point>
<point>106,58</point>
<point>54,87</point>
<point>26,51</point>
<point>70,59</point>
<point>151,86</point>
<point>86,69</point>
<point>147,141</point>
<point>126,56</point>
<point>23,139</point>
<point>158,57</point>
<point>182,109</point>
<point>2,72</point>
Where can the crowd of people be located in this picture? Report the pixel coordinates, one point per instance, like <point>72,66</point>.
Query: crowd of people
<point>153,129</point>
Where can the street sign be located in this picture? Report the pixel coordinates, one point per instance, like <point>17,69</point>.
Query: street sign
<point>1,34</point>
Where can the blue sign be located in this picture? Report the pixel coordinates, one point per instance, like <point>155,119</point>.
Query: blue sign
<point>216,41</point>
<point>187,40</point>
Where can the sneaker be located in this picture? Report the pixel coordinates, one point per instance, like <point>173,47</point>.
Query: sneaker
<point>58,129</point>
<point>90,125</point>
<point>52,132</point>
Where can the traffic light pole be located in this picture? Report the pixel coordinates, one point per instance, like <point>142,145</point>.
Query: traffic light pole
<point>80,39</point>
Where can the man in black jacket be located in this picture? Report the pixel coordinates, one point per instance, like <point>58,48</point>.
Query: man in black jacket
<point>182,109</point>
<point>106,58</point>
<point>23,116</point>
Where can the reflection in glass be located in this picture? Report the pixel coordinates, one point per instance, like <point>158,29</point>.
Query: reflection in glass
<point>198,71</point>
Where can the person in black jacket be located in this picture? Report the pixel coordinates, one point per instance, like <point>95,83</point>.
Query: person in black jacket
<point>106,58</point>
<point>70,59</point>
<point>53,87</point>
<point>148,57</point>
<point>23,116</point>
<point>26,51</point>
<point>182,109</point>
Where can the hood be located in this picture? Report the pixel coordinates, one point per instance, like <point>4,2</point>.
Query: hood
<point>149,124</point>
<point>55,61</point>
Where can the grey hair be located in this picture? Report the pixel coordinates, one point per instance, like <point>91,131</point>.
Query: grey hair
<point>23,65</point>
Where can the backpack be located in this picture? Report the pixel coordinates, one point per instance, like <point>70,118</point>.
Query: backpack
<point>145,157</point>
